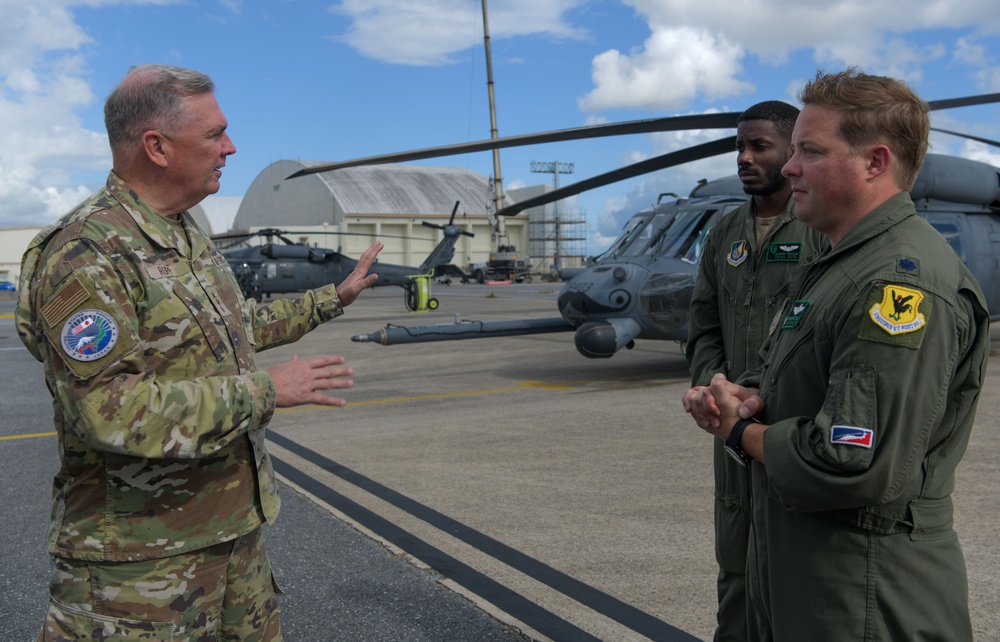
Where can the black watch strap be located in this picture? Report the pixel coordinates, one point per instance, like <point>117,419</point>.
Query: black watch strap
<point>733,442</point>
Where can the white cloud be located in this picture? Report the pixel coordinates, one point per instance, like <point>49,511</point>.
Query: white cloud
<point>42,144</point>
<point>431,32</point>
<point>675,65</point>
<point>698,48</point>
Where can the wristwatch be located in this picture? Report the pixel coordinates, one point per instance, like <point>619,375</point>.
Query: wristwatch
<point>733,442</point>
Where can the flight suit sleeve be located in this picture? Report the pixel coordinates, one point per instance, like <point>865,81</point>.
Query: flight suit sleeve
<point>705,350</point>
<point>894,402</point>
<point>110,395</point>
<point>288,320</point>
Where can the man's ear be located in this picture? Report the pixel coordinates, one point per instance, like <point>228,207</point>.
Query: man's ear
<point>879,161</point>
<point>155,145</point>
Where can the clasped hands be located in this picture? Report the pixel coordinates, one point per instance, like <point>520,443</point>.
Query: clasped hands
<point>719,405</point>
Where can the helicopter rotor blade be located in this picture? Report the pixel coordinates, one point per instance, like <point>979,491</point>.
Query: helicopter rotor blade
<point>274,232</point>
<point>986,141</point>
<point>686,155</point>
<point>967,101</point>
<point>724,120</point>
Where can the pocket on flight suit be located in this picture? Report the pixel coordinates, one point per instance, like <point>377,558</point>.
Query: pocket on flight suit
<point>851,408</point>
<point>732,515</point>
<point>67,622</point>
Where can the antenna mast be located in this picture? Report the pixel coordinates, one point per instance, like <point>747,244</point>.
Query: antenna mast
<point>499,227</point>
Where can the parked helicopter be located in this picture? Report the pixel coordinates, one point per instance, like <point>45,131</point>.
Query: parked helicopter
<point>641,287</point>
<point>293,267</point>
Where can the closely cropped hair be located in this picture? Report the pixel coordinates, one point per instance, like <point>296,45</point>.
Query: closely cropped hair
<point>149,97</point>
<point>781,114</point>
<point>876,110</point>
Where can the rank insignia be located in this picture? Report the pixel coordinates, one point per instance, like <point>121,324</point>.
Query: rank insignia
<point>737,253</point>
<point>795,314</point>
<point>898,312</point>
<point>784,252</point>
<point>88,335</point>
<point>908,265</point>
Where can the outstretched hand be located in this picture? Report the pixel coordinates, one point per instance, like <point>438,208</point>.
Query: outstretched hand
<point>359,279</point>
<point>298,381</point>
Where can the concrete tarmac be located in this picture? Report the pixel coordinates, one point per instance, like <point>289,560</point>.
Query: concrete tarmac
<point>497,489</point>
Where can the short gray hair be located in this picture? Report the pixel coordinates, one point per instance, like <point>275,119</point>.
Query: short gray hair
<point>149,97</point>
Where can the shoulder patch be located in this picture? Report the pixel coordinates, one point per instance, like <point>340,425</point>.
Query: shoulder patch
<point>852,436</point>
<point>64,302</point>
<point>88,335</point>
<point>84,329</point>
<point>896,314</point>
<point>737,253</point>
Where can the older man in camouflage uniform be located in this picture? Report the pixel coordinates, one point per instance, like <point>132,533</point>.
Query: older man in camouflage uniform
<point>149,350</point>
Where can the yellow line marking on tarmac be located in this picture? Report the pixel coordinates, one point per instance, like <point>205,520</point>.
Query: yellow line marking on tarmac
<point>31,436</point>
<point>6,315</point>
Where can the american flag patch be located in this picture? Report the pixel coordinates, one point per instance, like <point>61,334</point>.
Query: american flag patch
<point>852,436</point>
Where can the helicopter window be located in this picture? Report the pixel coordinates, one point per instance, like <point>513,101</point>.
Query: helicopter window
<point>633,229</point>
<point>645,237</point>
<point>951,233</point>
<point>684,238</point>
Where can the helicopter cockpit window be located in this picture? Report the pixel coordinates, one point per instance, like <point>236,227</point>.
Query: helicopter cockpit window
<point>685,237</point>
<point>645,237</point>
<point>633,230</point>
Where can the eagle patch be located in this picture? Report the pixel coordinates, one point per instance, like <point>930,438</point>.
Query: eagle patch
<point>896,314</point>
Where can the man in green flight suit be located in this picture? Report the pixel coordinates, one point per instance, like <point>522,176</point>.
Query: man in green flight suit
<point>861,412</point>
<point>148,349</point>
<point>747,266</point>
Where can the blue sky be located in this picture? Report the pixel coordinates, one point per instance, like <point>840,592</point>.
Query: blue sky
<point>310,80</point>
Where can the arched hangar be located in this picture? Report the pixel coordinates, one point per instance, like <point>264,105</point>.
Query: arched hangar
<point>349,208</point>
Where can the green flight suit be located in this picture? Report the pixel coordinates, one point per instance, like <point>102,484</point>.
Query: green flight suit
<point>740,288</point>
<point>870,385</point>
<point>148,351</point>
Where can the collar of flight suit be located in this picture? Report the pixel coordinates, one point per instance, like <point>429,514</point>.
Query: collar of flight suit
<point>154,226</point>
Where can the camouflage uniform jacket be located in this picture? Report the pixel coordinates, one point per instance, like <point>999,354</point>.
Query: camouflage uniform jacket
<point>149,349</point>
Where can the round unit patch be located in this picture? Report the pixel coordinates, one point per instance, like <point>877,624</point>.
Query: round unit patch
<point>89,335</point>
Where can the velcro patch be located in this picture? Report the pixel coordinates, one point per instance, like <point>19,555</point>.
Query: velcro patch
<point>795,314</point>
<point>852,436</point>
<point>784,252</point>
<point>737,253</point>
<point>84,329</point>
<point>69,298</point>
<point>896,314</point>
<point>88,335</point>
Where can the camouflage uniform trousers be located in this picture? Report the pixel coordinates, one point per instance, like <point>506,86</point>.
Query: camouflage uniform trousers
<point>224,592</point>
